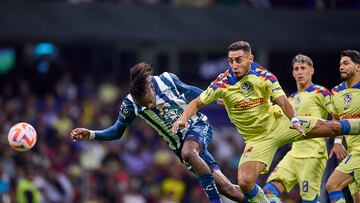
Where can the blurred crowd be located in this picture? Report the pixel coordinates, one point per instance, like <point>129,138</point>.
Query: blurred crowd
<point>139,168</point>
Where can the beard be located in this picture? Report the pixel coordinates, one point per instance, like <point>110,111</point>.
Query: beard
<point>346,76</point>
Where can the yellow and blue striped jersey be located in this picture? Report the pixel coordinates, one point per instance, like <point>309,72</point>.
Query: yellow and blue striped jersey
<point>313,101</point>
<point>346,105</point>
<point>247,100</point>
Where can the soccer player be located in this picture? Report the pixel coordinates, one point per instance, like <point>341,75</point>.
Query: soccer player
<point>246,89</point>
<point>305,163</point>
<point>160,101</point>
<point>345,99</point>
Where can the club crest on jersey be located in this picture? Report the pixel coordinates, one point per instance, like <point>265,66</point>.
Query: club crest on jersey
<point>347,98</point>
<point>246,87</point>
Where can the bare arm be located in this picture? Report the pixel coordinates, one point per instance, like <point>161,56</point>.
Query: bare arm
<point>189,111</point>
<point>289,111</point>
<point>286,106</point>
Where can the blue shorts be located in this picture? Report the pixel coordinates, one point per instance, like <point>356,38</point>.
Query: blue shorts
<point>201,132</point>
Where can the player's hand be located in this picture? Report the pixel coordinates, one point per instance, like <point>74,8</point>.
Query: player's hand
<point>179,124</point>
<point>339,151</point>
<point>80,134</point>
<point>297,126</point>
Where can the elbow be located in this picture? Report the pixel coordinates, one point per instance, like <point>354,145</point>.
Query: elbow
<point>197,103</point>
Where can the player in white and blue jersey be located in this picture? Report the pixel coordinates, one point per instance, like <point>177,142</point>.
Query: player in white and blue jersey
<point>160,101</point>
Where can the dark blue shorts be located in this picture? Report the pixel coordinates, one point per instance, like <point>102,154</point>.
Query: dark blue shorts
<point>201,132</point>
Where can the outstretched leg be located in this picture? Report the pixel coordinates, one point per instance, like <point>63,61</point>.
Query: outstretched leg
<point>190,154</point>
<point>211,179</point>
<point>226,188</point>
<point>247,176</point>
<point>336,182</point>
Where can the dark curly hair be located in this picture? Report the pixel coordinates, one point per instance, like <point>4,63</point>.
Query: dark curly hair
<point>352,54</point>
<point>139,80</point>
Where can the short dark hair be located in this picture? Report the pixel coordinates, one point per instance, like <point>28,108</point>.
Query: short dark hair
<point>301,58</point>
<point>352,54</point>
<point>240,45</point>
<point>139,80</point>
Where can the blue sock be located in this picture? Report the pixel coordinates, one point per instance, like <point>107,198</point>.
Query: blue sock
<point>335,196</point>
<point>207,182</point>
<point>270,188</point>
<point>252,193</point>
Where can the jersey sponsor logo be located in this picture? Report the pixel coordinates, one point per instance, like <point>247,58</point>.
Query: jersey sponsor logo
<point>170,114</point>
<point>123,111</point>
<point>297,100</point>
<point>249,104</point>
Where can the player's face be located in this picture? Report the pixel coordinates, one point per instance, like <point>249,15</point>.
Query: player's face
<point>239,62</point>
<point>302,72</point>
<point>347,68</point>
<point>149,99</point>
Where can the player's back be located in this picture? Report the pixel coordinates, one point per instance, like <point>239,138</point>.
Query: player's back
<point>346,105</point>
<point>311,102</point>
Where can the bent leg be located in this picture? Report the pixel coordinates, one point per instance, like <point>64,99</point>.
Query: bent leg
<point>336,182</point>
<point>190,154</point>
<point>247,176</point>
<point>226,188</point>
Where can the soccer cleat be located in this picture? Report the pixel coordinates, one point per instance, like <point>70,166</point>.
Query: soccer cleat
<point>274,199</point>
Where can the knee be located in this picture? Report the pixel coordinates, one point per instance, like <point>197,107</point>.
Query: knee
<point>246,184</point>
<point>330,186</point>
<point>189,154</point>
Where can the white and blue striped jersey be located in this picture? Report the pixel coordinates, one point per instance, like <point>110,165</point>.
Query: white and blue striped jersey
<point>170,104</point>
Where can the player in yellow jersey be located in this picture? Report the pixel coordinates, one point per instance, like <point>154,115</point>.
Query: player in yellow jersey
<point>309,100</point>
<point>246,89</point>
<point>346,102</point>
